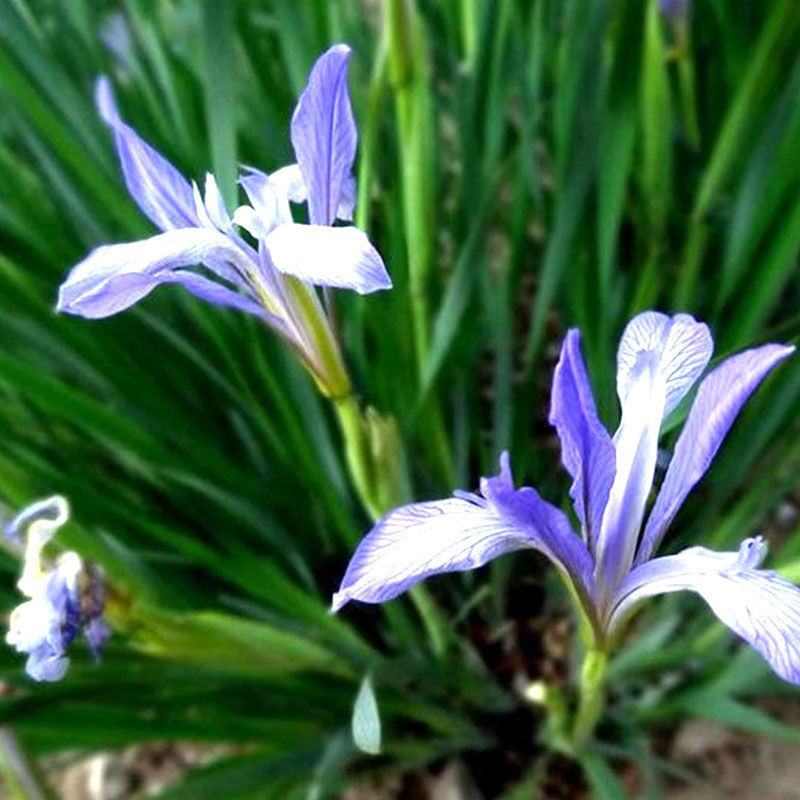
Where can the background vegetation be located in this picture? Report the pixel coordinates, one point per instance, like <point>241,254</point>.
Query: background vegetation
<point>524,167</point>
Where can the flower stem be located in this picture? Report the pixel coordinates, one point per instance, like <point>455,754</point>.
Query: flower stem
<point>357,452</point>
<point>591,700</point>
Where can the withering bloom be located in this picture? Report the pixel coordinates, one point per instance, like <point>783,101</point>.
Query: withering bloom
<point>611,563</point>
<point>205,249</point>
<point>64,600</point>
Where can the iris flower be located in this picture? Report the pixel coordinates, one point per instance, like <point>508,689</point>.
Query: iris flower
<point>610,564</point>
<point>202,246</point>
<point>63,601</point>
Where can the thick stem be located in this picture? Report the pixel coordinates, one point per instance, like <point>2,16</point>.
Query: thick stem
<point>357,452</point>
<point>591,700</point>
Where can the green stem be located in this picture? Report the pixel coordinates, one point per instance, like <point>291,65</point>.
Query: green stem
<point>592,697</point>
<point>357,452</point>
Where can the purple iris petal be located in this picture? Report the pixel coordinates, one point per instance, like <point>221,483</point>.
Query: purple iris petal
<point>759,605</point>
<point>416,541</point>
<point>162,193</point>
<point>219,295</point>
<point>324,134</point>
<point>586,447</point>
<point>46,664</point>
<point>658,361</point>
<point>719,400</point>
<point>114,277</point>
<point>326,256</point>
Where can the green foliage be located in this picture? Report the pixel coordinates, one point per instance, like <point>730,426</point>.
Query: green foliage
<point>524,167</point>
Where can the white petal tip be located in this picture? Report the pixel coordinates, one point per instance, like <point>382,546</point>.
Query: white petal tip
<point>339,600</point>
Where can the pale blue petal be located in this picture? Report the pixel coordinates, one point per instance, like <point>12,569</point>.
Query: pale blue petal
<point>719,400</point>
<point>416,541</point>
<point>658,361</point>
<point>324,134</point>
<point>460,533</point>
<point>291,183</point>
<point>114,277</point>
<point>680,345</point>
<point>46,665</point>
<point>586,448</point>
<point>759,605</point>
<point>289,180</point>
<point>325,256</point>
<point>162,193</point>
<point>268,199</point>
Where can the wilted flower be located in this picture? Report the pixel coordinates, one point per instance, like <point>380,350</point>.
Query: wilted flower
<point>198,230</point>
<point>611,564</point>
<point>63,601</point>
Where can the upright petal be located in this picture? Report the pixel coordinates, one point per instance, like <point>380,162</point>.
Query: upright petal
<point>162,193</point>
<point>586,448</point>
<point>324,134</point>
<point>759,605</point>
<point>658,361</point>
<point>270,201</point>
<point>289,180</point>
<point>114,277</point>
<point>326,256</point>
<point>460,533</point>
<point>719,400</point>
<point>681,345</point>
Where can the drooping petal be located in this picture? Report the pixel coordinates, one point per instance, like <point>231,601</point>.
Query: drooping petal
<point>658,361</point>
<point>162,193</point>
<point>759,605</point>
<point>416,541</point>
<point>586,448</point>
<point>459,533</point>
<point>719,399</point>
<point>546,525</point>
<point>45,664</point>
<point>219,295</point>
<point>114,277</point>
<point>324,134</point>
<point>326,256</point>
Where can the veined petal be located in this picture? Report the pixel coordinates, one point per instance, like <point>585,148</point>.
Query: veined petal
<point>324,134</point>
<point>681,347</point>
<point>719,399</point>
<point>460,533</point>
<point>658,361</point>
<point>162,193</point>
<point>325,256</point>
<point>586,448</point>
<point>759,605</point>
<point>416,541</point>
<point>114,277</point>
